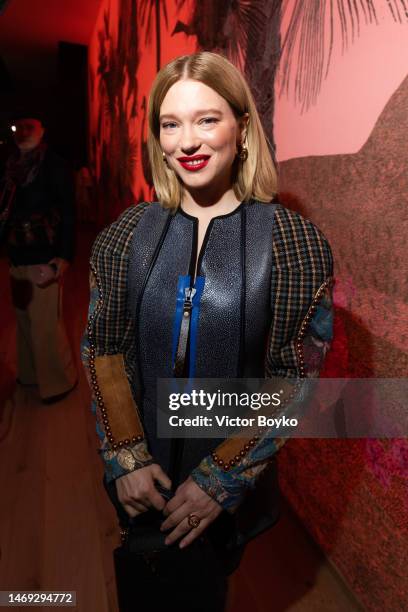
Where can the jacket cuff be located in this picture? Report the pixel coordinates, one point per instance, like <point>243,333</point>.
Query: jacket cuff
<point>228,491</point>
<point>126,460</point>
<point>229,487</point>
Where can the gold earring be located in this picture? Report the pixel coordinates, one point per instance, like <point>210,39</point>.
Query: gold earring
<point>164,158</point>
<point>243,153</point>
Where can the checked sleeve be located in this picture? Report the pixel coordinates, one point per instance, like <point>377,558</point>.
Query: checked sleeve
<point>105,349</point>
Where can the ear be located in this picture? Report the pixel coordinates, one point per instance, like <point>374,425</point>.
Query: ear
<point>243,127</point>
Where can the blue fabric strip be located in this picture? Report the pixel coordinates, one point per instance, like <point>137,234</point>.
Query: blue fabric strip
<point>322,323</point>
<point>199,286</point>
<point>183,283</point>
<point>99,431</point>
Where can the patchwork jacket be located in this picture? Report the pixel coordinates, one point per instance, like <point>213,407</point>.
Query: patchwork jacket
<point>263,309</point>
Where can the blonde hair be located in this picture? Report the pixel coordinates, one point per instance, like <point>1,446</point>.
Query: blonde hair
<point>256,177</point>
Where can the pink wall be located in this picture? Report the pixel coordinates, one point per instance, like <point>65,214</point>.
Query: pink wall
<point>359,84</point>
<point>344,164</point>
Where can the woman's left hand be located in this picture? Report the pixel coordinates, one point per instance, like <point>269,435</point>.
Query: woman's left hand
<point>189,499</point>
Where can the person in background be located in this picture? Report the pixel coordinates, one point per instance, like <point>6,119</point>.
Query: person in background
<point>37,232</point>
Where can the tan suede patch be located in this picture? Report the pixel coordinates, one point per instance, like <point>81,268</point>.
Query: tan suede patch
<point>120,406</point>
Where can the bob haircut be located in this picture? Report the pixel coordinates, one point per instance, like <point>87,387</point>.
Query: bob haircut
<point>254,178</point>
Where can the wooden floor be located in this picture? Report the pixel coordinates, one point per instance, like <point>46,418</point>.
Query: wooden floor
<point>57,527</point>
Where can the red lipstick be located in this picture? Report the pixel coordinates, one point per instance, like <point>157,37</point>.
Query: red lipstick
<point>193,163</point>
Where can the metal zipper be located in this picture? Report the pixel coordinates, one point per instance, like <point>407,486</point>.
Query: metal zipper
<point>177,444</point>
<point>188,301</point>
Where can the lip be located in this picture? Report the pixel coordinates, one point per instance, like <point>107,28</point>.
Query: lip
<point>183,161</point>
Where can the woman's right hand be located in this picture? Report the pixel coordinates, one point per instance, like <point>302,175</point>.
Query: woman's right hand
<point>137,492</point>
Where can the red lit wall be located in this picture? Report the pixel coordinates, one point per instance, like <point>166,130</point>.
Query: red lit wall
<point>336,112</point>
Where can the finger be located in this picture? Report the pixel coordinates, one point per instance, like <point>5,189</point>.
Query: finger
<point>193,534</point>
<point>155,499</point>
<point>134,510</point>
<point>161,476</point>
<point>183,528</point>
<point>175,517</point>
<point>174,503</point>
<point>139,504</point>
<point>179,531</point>
<point>133,500</point>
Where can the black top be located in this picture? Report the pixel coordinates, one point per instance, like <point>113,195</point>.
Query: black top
<point>41,224</point>
<point>231,314</point>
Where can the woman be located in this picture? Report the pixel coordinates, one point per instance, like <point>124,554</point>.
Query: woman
<point>198,284</point>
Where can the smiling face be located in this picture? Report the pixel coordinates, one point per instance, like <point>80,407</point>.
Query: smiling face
<point>199,134</point>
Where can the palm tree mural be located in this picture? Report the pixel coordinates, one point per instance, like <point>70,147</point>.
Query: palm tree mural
<point>295,35</point>
<point>247,33</point>
<point>227,27</point>
<point>312,29</point>
<point>118,60</point>
<point>128,50</point>
<point>151,12</point>
<point>147,171</point>
<point>148,8</point>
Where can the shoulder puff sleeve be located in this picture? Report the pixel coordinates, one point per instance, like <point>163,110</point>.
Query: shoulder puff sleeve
<point>300,335</point>
<point>123,445</point>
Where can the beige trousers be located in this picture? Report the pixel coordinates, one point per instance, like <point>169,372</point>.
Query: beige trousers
<point>44,356</point>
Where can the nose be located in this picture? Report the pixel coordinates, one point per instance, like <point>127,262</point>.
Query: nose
<point>23,132</point>
<point>189,142</point>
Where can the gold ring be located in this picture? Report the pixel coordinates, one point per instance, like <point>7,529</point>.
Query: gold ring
<point>194,520</point>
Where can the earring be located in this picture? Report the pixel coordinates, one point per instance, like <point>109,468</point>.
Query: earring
<point>164,158</point>
<point>243,153</point>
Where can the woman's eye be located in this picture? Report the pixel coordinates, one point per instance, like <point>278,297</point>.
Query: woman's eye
<point>209,120</point>
<point>168,124</point>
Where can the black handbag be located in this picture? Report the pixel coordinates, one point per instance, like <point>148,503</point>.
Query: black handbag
<point>150,574</point>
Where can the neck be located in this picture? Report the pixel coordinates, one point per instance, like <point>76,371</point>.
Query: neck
<point>213,202</point>
<point>24,152</point>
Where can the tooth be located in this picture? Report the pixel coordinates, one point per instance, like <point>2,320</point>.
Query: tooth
<point>195,162</point>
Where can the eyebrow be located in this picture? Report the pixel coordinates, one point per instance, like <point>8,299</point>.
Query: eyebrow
<point>205,111</point>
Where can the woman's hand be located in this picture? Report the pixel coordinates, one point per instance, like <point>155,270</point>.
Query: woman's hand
<point>61,266</point>
<point>189,499</point>
<point>137,492</point>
